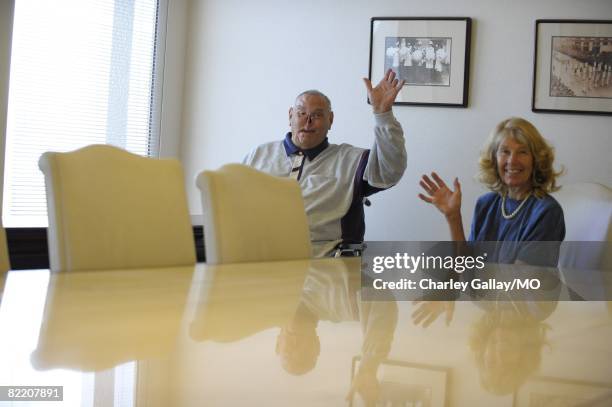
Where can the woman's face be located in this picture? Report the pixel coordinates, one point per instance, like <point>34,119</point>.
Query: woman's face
<point>503,349</point>
<point>514,164</point>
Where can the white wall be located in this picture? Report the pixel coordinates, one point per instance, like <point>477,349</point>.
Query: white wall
<point>6,34</point>
<point>174,45</point>
<point>246,61</point>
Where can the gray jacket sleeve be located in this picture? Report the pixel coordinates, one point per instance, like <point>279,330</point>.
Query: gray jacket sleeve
<point>387,159</point>
<point>378,322</point>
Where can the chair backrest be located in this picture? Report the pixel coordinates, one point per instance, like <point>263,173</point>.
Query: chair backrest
<point>111,209</point>
<point>251,216</point>
<point>587,209</point>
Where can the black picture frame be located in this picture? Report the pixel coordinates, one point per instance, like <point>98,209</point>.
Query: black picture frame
<point>572,69</point>
<point>432,54</point>
<point>409,383</point>
<point>553,390</point>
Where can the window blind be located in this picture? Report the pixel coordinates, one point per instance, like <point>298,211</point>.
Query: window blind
<point>82,72</point>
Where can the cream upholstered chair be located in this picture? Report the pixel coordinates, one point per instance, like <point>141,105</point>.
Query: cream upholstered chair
<point>587,208</point>
<point>110,209</point>
<point>250,216</point>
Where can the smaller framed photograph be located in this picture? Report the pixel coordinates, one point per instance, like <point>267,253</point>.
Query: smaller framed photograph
<point>432,54</point>
<point>550,391</point>
<point>404,383</point>
<point>573,67</point>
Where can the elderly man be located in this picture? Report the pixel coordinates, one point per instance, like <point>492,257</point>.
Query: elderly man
<point>335,179</point>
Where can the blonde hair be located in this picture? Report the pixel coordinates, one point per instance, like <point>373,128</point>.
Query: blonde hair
<point>507,377</point>
<point>543,176</point>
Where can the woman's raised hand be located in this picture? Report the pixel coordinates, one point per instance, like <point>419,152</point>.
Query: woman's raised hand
<point>441,196</point>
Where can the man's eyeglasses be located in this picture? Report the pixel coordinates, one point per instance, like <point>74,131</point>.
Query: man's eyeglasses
<point>316,115</point>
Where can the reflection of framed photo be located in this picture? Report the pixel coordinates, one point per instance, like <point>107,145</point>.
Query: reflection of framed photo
<point>548,391</point>
<point>432,54</point>
<point>409,384</point>
<point>573,67</point>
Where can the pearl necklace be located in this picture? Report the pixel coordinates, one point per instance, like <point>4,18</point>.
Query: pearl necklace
<point>514,212</point>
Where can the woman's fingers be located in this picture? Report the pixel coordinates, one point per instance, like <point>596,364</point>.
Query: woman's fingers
<point>457,185</point>
<point>439,181</point>
<point>425,198</point>
<point>432,186</point>
<point>426,187</point>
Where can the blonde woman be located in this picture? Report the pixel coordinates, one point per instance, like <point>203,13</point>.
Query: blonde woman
<point>517,166</point>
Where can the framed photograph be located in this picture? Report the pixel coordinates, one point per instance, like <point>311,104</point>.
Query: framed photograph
<point>573,67</point>
<point>408,384</point>
<point>550,391</point>
<point>432,54</point>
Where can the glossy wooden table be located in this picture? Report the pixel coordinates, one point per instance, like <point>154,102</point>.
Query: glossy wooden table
<point>208,336</point>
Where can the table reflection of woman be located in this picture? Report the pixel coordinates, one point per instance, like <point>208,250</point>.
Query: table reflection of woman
<point>507,343</point>
<point>517,166</point>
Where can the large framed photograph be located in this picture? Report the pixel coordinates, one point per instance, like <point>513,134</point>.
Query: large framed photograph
<point>432,54</point>
<point>573,67</point>
<point>403,383</point>
<point>550,391</point>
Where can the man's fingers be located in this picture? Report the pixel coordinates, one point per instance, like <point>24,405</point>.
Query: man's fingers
<point>368,84</point>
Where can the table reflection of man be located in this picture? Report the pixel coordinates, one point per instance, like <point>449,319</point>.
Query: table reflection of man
<point>334,295</point>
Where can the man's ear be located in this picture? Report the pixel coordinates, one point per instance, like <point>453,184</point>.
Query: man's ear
<point>290,115</point>
<point>331,118</point>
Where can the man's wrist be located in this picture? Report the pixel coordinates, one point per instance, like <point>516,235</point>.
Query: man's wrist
<point>384,118</point>
<point>382,109</point>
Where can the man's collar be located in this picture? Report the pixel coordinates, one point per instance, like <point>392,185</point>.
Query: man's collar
<point>311,153</point>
